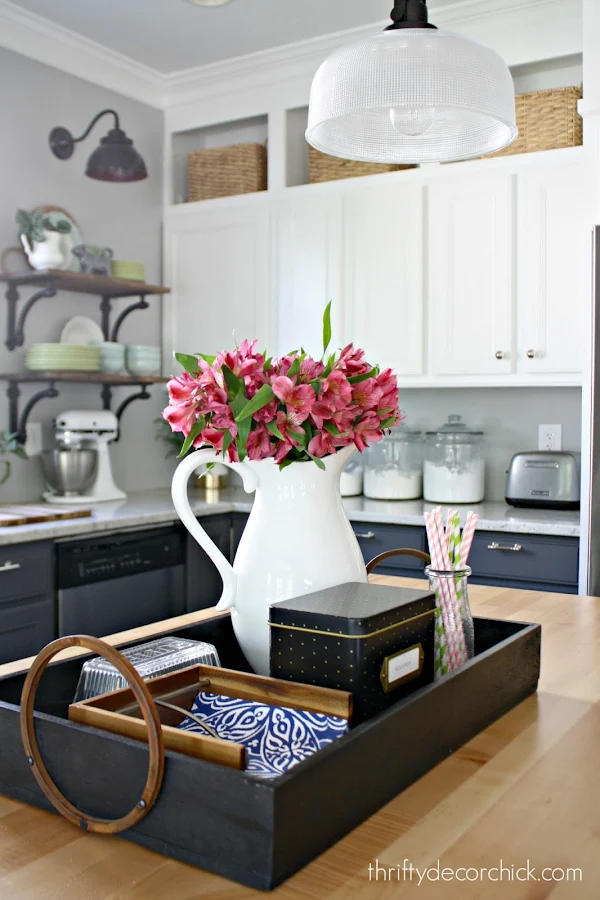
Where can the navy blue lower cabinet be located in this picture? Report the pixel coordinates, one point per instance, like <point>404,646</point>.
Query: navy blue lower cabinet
<point>376,538</point>
<point>27,599</point>
<point>203,582</point>
<point>530,561</point>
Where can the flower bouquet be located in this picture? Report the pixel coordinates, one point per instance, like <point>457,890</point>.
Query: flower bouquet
<point>244,403</point>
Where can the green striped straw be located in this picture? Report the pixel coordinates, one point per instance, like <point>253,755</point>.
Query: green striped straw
<point>454,542</point>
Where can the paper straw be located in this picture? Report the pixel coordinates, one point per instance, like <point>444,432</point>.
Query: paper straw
<point>441,562</point>
<point>467,538</point>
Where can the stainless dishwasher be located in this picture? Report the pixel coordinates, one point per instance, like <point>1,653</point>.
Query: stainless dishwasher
<point>111,582</point>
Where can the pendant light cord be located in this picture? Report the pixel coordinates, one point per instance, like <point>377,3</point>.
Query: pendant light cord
<point>409,14</point>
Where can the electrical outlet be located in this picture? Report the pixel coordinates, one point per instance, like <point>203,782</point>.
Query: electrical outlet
<point>33,441</point>
<point>550,437</point>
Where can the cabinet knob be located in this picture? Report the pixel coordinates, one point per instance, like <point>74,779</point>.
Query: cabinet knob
<point>531,354</point>
<point>499,354</point>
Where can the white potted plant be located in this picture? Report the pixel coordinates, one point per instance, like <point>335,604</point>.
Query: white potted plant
<point>40,237</point>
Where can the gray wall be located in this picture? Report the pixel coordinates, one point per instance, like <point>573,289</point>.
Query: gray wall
<point>34,98</point>
<point>508,416</point>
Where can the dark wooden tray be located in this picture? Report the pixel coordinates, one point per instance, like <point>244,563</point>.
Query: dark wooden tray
<point>232,823</point>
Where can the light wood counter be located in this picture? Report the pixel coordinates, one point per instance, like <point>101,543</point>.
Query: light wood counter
<point>527,788</point>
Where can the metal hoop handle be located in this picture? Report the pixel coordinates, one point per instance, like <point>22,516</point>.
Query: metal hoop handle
<point>404,551</point>
<point>156,763</point>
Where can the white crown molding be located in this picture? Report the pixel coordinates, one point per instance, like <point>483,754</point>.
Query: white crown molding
<point>43,40</point>
<point>521,30</point>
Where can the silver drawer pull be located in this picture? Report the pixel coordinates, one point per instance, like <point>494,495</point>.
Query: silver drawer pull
<point>10,566</point>
<point>367,536</point>
<point>516,548</point>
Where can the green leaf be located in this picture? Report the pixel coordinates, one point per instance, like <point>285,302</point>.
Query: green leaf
<point>234,385</point>
<point>226,442</point>
<point>237,405</point>
<point>356,379</point>
<point>331,428</point>
<point>294,368</point>
<point>299,435</point>
<point>285,463</point>
<point>198,426</point>
<point>274,430</point>
<point>318,461</point>
<point>189,363</point>
<point>326,328</point>
<point>267,363</point>
<point>20,452</point>
<point>387,423</point>
<point>263,396</point>
<point>207,358</point>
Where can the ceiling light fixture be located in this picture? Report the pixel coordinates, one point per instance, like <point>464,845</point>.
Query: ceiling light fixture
<point>414,94</point>
<point>116,159</point>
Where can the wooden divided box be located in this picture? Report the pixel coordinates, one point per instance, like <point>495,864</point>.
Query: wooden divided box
<point>231,822</point>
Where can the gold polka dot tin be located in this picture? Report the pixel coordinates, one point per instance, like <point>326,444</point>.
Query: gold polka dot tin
<point>376,642</point>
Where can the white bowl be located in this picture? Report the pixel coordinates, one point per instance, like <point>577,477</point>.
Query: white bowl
<point>142,348</point>
<point>143,367</point>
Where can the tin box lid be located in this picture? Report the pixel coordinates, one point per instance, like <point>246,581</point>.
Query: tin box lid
<point>352,609</point>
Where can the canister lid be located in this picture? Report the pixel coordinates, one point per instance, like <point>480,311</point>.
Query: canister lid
<point>455,431</point>
<point>352,609</point>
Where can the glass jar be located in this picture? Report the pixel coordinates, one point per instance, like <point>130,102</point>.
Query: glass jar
<point>351,479</point>
<point>454,629</point>
<point>394,466</point>
<point>454,469</point>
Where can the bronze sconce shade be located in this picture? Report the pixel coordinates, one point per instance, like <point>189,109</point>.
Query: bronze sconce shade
<point>116,159</point>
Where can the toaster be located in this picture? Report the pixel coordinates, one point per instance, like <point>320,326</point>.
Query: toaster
<point>544,479</point>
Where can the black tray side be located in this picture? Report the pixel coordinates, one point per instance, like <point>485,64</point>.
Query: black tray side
<point>385,755</point>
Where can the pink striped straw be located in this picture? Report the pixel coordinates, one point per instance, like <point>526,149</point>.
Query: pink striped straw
<point>455,619</point>
<point>467,537</point>
<point>436,545</point>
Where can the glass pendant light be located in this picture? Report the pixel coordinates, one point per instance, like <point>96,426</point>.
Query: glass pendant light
<point>414,94</point>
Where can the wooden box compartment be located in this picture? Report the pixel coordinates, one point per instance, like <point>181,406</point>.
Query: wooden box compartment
<point>233,823</point>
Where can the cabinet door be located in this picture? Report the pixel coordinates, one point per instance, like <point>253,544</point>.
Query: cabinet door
<point>555,269</point>
<point>471,275</point>
<point>383,243</point>
<point>26,626</point>
<point>217,265</point>
<point>307,272</point>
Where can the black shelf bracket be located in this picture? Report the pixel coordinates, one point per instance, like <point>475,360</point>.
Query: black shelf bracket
<point>18,423</point>
<point>105,309</point>
<point>15,326</point>
<point>142,394</point>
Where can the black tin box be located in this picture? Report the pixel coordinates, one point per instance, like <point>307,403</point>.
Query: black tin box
<point>371,640</point>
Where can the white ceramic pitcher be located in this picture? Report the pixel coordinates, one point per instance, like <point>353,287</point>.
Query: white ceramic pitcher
<point>45,254</point>
<point>297,540</point>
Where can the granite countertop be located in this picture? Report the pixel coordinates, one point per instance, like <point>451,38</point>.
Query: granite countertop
<point>155,507</point>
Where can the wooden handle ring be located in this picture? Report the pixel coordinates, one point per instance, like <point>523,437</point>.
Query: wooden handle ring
<point>404,551</point>
<point>156,763</point>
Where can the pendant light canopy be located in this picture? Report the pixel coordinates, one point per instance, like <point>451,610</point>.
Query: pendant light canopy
<point>413,94</point>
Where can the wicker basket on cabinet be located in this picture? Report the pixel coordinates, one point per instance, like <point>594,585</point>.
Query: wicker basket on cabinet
<point>225,171</point>
<point>330,168</point>
<point>547,120</point>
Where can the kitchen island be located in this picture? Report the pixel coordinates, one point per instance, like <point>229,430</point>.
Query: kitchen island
<point>523,792</point>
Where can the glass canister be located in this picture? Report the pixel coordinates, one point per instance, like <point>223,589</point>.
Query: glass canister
<point>351,479</point>
<point>454,628</point>
<point>394,466</point>
<point>454,468</point>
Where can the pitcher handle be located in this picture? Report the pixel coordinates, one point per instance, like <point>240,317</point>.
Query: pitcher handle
<point>182,505</point>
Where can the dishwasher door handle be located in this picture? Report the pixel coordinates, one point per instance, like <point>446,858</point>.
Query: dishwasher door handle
<point>516,548</point>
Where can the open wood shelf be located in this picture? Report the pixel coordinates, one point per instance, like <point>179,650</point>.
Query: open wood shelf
<point>81,283</point>
<point>87,377</point>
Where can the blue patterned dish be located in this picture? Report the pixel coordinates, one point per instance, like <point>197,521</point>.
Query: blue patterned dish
<point>276,738</point>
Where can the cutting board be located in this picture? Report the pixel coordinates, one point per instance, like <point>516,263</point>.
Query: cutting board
<point>29,514</point>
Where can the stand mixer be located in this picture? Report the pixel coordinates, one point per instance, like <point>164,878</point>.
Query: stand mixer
<point>81,430</point>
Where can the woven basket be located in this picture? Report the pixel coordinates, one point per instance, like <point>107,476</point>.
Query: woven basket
<point>225,171</point>
<point>547,120</point>
<point>330,168</point>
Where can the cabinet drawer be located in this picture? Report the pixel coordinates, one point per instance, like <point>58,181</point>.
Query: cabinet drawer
<point>375,539</point>
<point>26,626</point>
<point>535,558</point>
<point>26,570</point>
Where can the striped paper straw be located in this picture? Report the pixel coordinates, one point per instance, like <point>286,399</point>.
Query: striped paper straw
<point>457,637</point>
<point>442,661</point>
<point>441,562</point>
<point>467,538</point>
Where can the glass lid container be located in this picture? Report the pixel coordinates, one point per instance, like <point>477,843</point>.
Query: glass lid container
<point>455,431</point>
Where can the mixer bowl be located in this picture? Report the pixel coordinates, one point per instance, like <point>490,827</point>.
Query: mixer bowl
<point>69,473</point>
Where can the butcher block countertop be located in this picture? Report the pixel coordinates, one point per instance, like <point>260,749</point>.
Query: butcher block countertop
<point>525,792</point>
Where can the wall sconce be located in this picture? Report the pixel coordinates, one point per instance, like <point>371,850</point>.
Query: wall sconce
<point>116,159</point>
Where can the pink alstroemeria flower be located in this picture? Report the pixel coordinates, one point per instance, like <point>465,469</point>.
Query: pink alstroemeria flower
<point>336,390</point>
<point>185,402</point>
<point>289,426</point>
<point>259,443</point>
<point>321,445</point>
<point>367,394</point>
<point>310,369</point>
<point>352,361</point>
<point>298,398</point>
<point>283,448</point>
<point>367,431</point>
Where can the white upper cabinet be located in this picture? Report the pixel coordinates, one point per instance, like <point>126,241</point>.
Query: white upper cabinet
<point>307,271</point>
<point>471,256</point>
<point>383,248</point>
<point>217,262</point>
<point>555,221</point>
